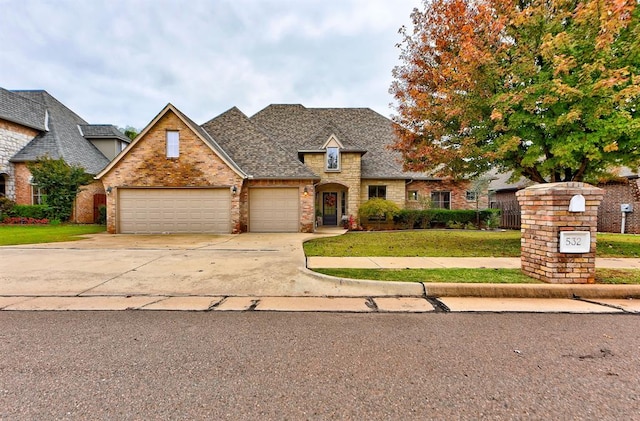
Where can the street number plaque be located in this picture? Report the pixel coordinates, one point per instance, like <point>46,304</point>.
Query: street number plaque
<point>575,241</point>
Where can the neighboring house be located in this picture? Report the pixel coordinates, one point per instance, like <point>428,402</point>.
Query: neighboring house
<point>284,169</point>
<point>34,124</point>
<point>623,189</point>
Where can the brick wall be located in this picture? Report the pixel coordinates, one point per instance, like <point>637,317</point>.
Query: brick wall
<point>13,137</point>
<point>545,213</point>
<point>348,176</point>
<point>458,191</point>
<point>146,165</point>
<point>22,177</point>
<point>609,214</point>
<point>83,205</point>
<point>396,191</point>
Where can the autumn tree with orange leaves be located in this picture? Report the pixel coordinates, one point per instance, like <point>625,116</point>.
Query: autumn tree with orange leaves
<point>547,89</point>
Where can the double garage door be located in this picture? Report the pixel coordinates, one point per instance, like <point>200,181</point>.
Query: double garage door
<point>153,211</point>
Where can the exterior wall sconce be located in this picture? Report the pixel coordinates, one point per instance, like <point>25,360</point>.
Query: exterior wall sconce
<point>109,190</point>
<point>305,193</point>
<point>234,190</point>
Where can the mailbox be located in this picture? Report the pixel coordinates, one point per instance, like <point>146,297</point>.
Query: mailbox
<point>626,207</point>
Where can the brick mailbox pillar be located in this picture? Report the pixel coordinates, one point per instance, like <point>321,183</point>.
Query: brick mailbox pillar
<point>559,225</point>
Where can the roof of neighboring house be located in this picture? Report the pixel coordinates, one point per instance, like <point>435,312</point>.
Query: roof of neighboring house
<point>18,109</point>
<point>297,128</point>
<point>102,131</point>
<point>252,149</point>
<point>63,134</point>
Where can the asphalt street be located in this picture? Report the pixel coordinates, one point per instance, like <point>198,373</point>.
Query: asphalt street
<point>185,365</point>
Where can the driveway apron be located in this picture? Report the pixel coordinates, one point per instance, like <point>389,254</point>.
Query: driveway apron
<point>169,265</point>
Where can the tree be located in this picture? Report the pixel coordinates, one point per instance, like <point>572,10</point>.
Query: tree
<point>129,131</point>
<point>61,182</point>
<point>549,89</point>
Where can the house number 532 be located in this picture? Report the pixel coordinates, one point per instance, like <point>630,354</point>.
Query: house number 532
<point>575,241</point>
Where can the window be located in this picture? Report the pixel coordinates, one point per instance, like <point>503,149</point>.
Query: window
<point>377,192</point>
<point>173,144</point>
<point>343,203</point>
<point>333,158</point>
<point>3,185</point>
<point>441,199</point>
<point>413,195</point>
<point>472,196</point>
<point>37,195</point>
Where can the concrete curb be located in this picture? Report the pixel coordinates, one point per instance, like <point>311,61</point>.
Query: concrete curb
<point>374,288</point>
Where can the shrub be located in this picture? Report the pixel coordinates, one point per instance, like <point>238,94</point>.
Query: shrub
<point>408,218</point>
<point>378,210</point>
<point>6,205</point>
<point>30,211</point>
<point>102,215</point>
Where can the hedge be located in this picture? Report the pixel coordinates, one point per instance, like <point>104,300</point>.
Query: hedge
<point>30,211</point>
<point>410,218</point>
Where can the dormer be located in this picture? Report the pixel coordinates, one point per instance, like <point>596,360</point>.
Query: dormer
<point>332,149</point>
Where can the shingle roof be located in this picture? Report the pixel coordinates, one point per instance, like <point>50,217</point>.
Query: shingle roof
<point>102,131</point>
<point>253,150</point>
<point>63,139</point>
<point>297,128</point>
<point>21,110</point>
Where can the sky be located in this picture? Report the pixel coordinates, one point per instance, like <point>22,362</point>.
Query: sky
<point>121,61</point>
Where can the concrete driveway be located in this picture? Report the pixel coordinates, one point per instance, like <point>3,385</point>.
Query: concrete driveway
<point>173,265</point>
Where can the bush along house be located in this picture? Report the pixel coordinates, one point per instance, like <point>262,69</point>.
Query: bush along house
<point>288,168</point>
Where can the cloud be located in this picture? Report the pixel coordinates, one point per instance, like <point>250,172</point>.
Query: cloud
<point>122,61</point>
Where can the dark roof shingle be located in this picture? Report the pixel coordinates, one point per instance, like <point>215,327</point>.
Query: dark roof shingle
<point>253,150</point>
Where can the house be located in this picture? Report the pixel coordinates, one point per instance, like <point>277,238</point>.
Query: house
<point>624,188</point>
<point>285,169</point>
<point>34,124</point>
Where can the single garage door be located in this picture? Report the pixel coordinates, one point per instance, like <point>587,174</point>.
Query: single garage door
<point>152,211</point>
<point>274,210</point>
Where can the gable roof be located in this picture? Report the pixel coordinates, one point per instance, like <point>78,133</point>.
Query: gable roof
<point>199,131</point>
<point>61,139</point>
<point>254,151</point>
<point>297,128</point>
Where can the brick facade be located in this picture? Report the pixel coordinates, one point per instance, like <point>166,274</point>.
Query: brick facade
<point>146,165</point>
<point>83,205</point>
<point>346,179</point>
<point>609,214</point>
<point>13,137</point>
<point>545,213</point>
<point>458,190</point>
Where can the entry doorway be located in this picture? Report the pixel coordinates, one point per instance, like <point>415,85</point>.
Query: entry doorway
<point>330,208</point>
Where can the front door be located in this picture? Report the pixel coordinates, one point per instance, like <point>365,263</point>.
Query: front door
<point>329,208</point>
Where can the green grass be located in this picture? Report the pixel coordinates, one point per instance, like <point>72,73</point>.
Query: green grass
<point>501,276</point>
<point>450,243</point>
<point>33,234</point>
<point>496,276</point>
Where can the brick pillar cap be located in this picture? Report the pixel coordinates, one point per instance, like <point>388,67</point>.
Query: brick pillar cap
<point>571,185</point>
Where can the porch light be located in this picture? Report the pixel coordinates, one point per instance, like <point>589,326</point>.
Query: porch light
<point>234,190</point>
<point>305,192</point>
<point>109,189</point>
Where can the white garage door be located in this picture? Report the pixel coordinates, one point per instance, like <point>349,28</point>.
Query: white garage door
<point>274,210</point>
<point>152,211</point>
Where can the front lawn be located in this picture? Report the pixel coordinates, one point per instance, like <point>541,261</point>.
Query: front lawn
<point>33,234</point>
<point>450,243</point>
<point>493,276</point>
